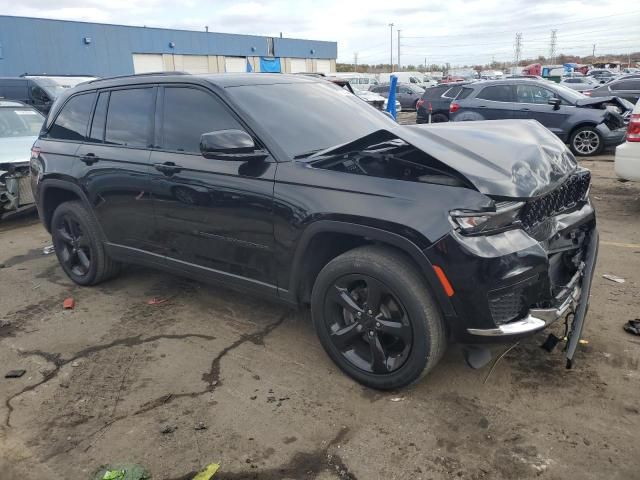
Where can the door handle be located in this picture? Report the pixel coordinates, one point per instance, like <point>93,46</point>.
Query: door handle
<point>482,106</point>
<point>525,109</point>
<point>89,158</point>
<point>168,168</point>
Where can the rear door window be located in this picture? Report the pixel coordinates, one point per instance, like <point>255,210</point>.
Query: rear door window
<point>497,93</point>
<point>73,120</point>
<point>129,117</point>
<point>626,85</point>
<point>190,112</point>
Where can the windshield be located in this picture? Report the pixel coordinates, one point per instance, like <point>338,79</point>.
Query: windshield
<point>19,122</point>
<point>306,117</point>
<point>54,86</point>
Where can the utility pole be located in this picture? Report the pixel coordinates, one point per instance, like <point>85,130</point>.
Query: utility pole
<point>425,64</point>
<point>518,47</point>
<point>593,52</point>
<point>355,60</point>
<point>399,64</point>
<point>552,47</point>
<point>391,48</point>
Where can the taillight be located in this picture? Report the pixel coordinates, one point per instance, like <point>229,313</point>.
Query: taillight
<point>419,103</point>
<point>633,131</point>
<point>454,107</point>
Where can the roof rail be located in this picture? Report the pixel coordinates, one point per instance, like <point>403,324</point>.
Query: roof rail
<point>56,75</point>
<point>149,74</point>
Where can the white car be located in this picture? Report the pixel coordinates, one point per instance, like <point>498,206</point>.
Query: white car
<point>19,128</point>
<point>627,163</point>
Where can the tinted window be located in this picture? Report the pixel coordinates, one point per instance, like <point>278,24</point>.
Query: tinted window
<point>73,119</point>
<point>452,92</point>
<point>573,80</point>
<point>626,85</point>
<point>434,92</point>
<point>129,117</point>
<point>464,93</point>
<point>188,113</point>
<point>99,118</point>
<point>533,94</point>
<point>497,93</point>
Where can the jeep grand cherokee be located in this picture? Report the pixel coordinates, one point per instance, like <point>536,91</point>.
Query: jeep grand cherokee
<point>400,238</point>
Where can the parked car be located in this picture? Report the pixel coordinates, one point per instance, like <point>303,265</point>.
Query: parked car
<point>19,128</point>
<point>438,99</point>
<point>406,93</point>
<point>416,79</point>
<point>627,160</point>
<point>39,91</point>
<point>400,238</point>
<point>588,125</point>
<point>602,75</point>
<point>375,100</point>
<point>624,87</point>
<point>580,84</point>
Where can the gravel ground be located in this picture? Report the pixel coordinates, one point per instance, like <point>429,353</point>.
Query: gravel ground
<point>106,379</point>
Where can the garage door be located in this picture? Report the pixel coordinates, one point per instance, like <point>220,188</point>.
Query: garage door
<point>235,64</point>
<point>298,65</point>
<point>195,63</point>
<point>324,66</point>
<point>147,62</point>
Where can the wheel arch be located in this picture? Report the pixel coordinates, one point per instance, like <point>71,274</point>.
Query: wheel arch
<point>344,236</point>
<point>54,192</point>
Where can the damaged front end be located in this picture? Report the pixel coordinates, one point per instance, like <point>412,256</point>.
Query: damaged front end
<point>521,259</point>
<point>15,187</point>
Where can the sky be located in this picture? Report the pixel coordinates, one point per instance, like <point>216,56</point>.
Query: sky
<point>454,31</point>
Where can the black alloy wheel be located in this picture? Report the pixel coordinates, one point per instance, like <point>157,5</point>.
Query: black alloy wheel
<point>368,324</point>
<point>376,318</point>
<point>72,246</point>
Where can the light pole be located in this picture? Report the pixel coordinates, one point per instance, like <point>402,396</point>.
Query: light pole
<point>391,48</point>
<point>399,64</point>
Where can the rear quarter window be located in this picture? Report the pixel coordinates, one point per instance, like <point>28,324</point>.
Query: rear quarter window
<point>464,93</point>
<point>73,119</point>
<point>434,92</point>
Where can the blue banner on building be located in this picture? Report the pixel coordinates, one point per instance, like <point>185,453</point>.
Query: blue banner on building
<point>270,65</point>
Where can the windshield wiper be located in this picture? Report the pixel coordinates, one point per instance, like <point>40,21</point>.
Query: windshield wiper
<point>308,154</point>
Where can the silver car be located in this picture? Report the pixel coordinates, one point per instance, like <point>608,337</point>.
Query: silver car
<point>580,84</point>
<point>19,129</point>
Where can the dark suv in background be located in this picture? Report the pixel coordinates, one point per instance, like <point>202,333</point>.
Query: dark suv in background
<point>39,91</point>
<point>438,99</point>
<point>587,124</point>
<point>400,238</point>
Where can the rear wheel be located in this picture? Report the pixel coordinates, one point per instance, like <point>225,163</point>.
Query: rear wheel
<point>376,318</point>
<point>439,118</point>
<point>78,245</point>
<point>586,142</point>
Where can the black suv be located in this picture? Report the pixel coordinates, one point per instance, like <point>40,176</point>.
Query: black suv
<point>587,124</point>
<point>401,238</point>
<point>39,91</point>
<point>438,99</point>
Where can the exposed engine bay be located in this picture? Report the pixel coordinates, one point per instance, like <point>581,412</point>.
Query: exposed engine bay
<point>15,187</point>
<point>395,159</point>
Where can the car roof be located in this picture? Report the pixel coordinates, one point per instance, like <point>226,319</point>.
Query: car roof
<point>222,80</point>
<point>518,81</point>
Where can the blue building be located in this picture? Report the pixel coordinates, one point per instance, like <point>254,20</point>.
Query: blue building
<point>39,46</point>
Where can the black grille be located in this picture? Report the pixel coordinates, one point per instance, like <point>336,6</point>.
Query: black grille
<point>563,198</point>
<point>505,307</point>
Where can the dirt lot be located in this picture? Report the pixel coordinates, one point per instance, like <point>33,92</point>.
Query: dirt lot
<point>104,380</point>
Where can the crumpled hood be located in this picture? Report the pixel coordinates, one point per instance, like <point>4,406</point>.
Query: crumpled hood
<point>16,149</point>
<point>595,101</point>
<point>504,158</point>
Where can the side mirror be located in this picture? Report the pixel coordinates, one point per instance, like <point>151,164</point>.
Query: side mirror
<point>555,102</point>
<point>233,145</point>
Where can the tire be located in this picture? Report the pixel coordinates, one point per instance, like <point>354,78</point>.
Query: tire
<point>406,307</point>
<point>586,142</point>
<point>78,245</point>
<point>439,118</point>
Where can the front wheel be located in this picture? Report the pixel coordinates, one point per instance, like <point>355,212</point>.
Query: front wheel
<point>376,318</point>
<point>586,142</point>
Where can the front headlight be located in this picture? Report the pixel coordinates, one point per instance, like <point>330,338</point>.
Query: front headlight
<point>473,223</point>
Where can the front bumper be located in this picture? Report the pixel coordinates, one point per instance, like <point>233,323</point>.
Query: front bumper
<point>511,285</point>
